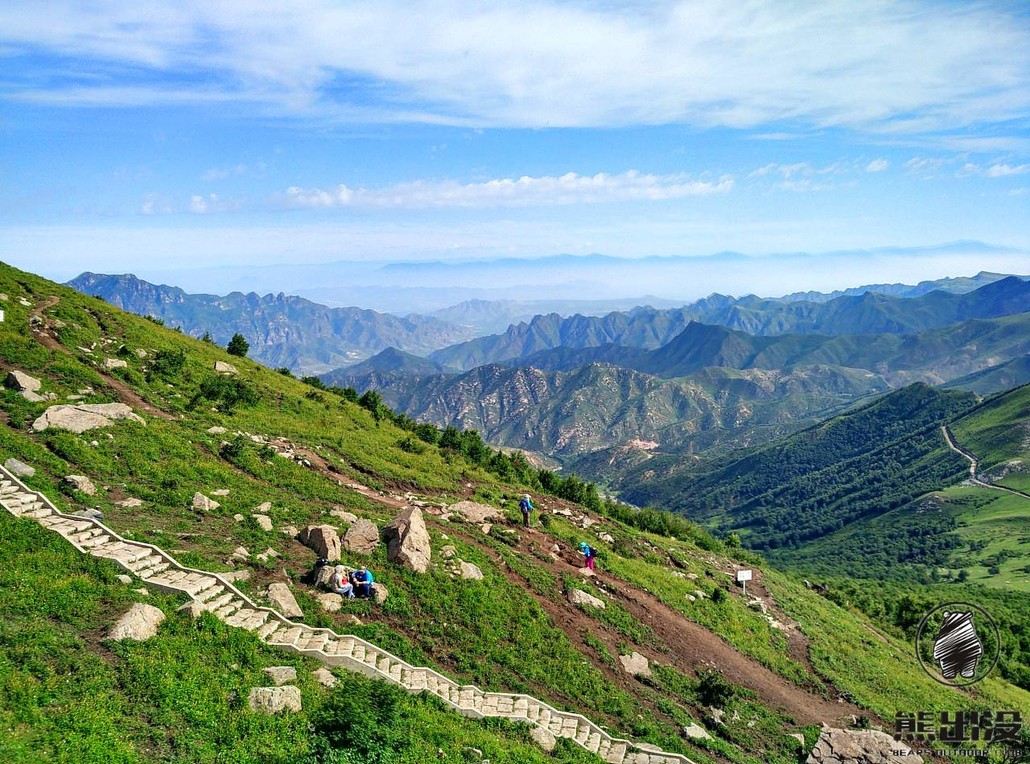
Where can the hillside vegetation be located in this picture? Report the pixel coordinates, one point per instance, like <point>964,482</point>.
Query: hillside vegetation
<point>295,452</point>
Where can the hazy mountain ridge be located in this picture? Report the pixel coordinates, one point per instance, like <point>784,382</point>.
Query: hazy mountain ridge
<point>282,330</point>
<point>868,313</point>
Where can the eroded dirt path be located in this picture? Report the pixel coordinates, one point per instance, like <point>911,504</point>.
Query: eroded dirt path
<point>45,332</point>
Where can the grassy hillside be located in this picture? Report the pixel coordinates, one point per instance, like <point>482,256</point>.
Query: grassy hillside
<point>298,454</point>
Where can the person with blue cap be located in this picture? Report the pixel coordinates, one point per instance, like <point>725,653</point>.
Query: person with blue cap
<point>589,553</point>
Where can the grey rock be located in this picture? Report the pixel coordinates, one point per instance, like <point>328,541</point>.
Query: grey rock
<point>193,609</point>
<point>81,417</point>
<point>474,512</point>
<point>81,483</point>
<point>221,367</point>
<point>24,384</point>
<point>323,539</point>
<point>362,537</point>
<point>635,664</point>
<point>347,517</point>
<point>282,599</point>
<point>272,700</point>
<point>130,503</point>
<point>216,430</point>
<point>124,579</point>
<point>379,593</point>
<point>204,503</point>
<point>578,597</point>
<point>697,732</point>
<point>470,572</point>
<point>264,522</point>
<point>114,363</point>
<point>18,468</point>
<point>140,622</point>
<point>859,747</point>
<point>543,738</point>
<point>408,540</point>
<point>325,677</point>
<point>330,602</point>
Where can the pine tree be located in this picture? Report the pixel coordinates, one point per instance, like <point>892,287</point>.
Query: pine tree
<point>238,346</point>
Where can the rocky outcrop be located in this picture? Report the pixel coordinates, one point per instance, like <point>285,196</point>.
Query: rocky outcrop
<point>408,540</point>
<point>80,417</point>
<point>578,597</point>
<point>839,746</point>
<point>379,593</point>
<point>272,700</point>
<point>361,537</point>
<point>473,512</point>
<point>635,664</point>
<point>140,622</point>
<point>282,599</point>
<point>81,483</point>
<point>323,539</point>
<point>24,384</point>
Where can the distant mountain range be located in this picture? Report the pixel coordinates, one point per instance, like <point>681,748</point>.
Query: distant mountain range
<point>283,331</point>
<point>866,313</point>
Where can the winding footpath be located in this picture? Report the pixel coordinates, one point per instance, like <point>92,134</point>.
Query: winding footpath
<point>973,465</point>
<point>210,592</point>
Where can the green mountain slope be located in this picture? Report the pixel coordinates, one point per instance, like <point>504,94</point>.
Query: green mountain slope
<point>263,444</point>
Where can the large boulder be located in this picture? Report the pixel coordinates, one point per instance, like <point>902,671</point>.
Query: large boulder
<point>469,571</point>
<point>379,593</point>
<point>323,539</point>
<point>221,367</point>
<point>80,417</point>
<point>282,599</point>
<point>24,384</point>
<point>361,537</point>
<point>81,483</point>
<point>272,700</point>
<point>18,468</point>
<point>474,512</point>
<point>840,746</point>
<point>408,540</point>
<point>578,597</point>
<point>140,622</point>
<point>635,664</point>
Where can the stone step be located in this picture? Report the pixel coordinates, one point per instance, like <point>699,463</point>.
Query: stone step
<point>229,608</point>
<point>256,621</point>
<point>98,540</point>
<point>315,641</point>
<point>37,511</point>
<point>616,754</point>
<point>145,563</point>
<point>241,616</point>
<point>209,594</point>
<point>157,570</point>
<point>88,533</point>
<point>198,584</point>
<point>289,636</point>
<point>270,628</point>
<point>220,601</point>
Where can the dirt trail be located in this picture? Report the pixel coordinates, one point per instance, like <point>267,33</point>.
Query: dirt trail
<point>974,465</point>
<point>691,646</point>
<point>47,336</point>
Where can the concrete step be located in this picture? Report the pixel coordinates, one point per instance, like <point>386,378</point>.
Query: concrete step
<point>98,540</point>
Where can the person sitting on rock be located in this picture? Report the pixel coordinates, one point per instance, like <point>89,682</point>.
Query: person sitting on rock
<point>340,582</point>
<point>362,581</point>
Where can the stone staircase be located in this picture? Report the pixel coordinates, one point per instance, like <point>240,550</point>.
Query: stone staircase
<point>213,593</point>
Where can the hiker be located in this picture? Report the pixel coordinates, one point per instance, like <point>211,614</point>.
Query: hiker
<point>362,581</point>
<point>589,553</point>
<point>526,506</point>
<point>340,582</point>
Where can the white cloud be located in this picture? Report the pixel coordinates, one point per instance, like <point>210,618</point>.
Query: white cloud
<point>1004,170</point>
<point>877,165</point>
<point>908,65</point>
<point>511,192</point>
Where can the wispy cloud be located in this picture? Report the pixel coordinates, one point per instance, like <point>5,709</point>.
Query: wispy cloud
<point>526,191</point>
<point>877,165</point>
<point>1004,170</point>
<point>884,65</point>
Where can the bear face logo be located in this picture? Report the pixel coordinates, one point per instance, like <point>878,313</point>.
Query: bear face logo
<point>957,648</point>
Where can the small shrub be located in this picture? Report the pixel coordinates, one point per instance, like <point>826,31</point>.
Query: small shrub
<point>713,689</point>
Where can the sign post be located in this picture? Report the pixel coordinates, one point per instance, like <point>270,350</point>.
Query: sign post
<point>743,576</point>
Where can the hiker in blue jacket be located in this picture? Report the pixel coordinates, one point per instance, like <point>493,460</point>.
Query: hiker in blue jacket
<point>589,553</point>
<point>362,580</point>
<point>526,506</point>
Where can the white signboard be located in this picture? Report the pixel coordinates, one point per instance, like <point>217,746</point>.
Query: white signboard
<point>743,575</point>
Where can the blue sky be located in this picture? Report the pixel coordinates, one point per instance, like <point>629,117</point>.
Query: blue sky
<point>152,137</point>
